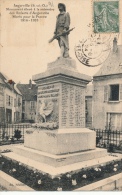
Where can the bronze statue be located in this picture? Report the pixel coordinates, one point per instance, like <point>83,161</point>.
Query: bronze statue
<point>62,30</point>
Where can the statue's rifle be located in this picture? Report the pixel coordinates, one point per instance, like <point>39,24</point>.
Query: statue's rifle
<point>59,35</point>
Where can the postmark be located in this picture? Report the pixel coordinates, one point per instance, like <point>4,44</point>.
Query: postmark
<point>106,16</point>
<point>94,50</point>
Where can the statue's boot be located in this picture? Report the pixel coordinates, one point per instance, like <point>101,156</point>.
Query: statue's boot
<point>66,53</point>
<point>62,51</point>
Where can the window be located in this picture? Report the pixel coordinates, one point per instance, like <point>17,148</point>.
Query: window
<point>23,116</point>
<point>9,100</point>
<point>15,102</point>
<point>114,121</point>
<point>1,101</point>
<point>19,102</point>
<point>23,105</point>
<point>32,105</point>
<point>113,92</point>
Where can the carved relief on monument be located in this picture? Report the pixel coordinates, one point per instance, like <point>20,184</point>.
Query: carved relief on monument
<point>48,110</point>
<point>45,109</point>
<point>48,107</point>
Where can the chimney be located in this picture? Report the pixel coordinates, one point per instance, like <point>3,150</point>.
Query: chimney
<point>11,83</point>
<point>115,45</point>
<point>30,84</point>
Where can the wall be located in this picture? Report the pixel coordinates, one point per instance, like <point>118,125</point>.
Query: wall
<point>18,109</point>
<point>1,95</point>
<point>13,108</point>
<point>101,107</point>
<point>2,115</point>
<point>30,114</point>
<point>2,110</point>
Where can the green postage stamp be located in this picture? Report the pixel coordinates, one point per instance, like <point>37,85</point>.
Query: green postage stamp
<point>106,16</point>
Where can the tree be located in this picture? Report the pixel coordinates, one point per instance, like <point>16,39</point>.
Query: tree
<point>17,134</point>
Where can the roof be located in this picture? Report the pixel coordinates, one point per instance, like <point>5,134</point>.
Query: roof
<point>17,90</point>
<point>28,94</point>
<point>88,91</point>
<point>112,65</point>
<point>5,80</point>
<point>1,81</point>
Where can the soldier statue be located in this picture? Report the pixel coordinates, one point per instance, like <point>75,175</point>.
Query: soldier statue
<point>62,25</point>
<point>62,30</point>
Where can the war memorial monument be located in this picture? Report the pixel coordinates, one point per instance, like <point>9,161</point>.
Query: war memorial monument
<point>60,130</point>
<point>59,143</point>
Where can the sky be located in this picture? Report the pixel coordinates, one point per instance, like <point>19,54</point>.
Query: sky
<point>25,50</point>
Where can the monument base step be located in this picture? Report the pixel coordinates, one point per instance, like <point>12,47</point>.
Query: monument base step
<point>59,160</point>
<point>56,171</point>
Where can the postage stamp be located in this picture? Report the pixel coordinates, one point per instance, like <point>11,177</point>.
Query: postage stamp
<point>106,16</point>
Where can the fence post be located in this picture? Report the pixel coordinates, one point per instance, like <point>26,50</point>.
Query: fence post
<point>108,133</point>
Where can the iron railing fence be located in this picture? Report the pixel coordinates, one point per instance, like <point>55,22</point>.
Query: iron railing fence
<point>108,139</point>
<point>12,132</point>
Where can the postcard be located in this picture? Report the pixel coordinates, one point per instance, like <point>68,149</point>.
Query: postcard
<point>61,95</point>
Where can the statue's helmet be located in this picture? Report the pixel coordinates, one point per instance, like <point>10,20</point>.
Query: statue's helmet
<point>63,5</point>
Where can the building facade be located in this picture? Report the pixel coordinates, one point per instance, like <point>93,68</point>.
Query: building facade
<point>2,108</point>
<point>107,92</point>
<point>10,101</point>
<point>29,101</point>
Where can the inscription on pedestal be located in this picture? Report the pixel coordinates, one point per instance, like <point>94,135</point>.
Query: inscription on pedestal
<point>72,106</point>
<point>71,99</point>
<point>48,91</point>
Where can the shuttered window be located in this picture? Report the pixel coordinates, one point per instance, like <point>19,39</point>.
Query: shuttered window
<point>32,105</point>
<point>9,100</point>
<point>106,93</point>
<point>113,92</point>
<point>120,92</point>
<point>15,103</point>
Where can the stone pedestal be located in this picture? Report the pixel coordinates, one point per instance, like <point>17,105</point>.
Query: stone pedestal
<point>63,141</point>
<point>62,90</point>
<point>61,110</point>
